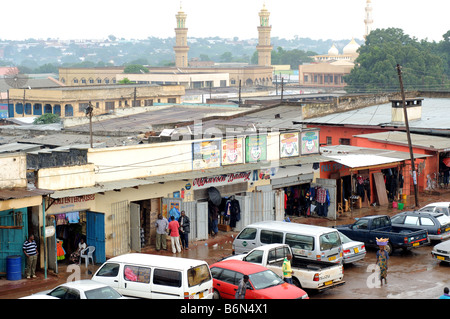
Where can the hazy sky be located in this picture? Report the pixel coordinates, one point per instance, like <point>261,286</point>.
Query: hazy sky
<point>139,19</point>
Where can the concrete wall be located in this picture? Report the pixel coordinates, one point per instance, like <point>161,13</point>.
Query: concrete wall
<point>13,170</point>
<point>58,178</point>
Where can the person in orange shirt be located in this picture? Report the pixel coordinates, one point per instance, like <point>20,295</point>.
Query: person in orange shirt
<point>174,234</point>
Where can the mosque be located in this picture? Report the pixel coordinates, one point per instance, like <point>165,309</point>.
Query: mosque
<point>328,70</point>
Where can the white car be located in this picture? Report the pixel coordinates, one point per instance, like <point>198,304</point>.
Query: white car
<point>353,250</point>
<point>80,289</point>
<point>441,251</point>
<point>438,207</point>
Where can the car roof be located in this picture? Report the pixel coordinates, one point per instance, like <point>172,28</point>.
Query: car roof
<point>291,227</point>
<point>85,284</point>
<point>240,266</point>
<point>419,213</point>
<point>157,261</point>
<point>438,204</point>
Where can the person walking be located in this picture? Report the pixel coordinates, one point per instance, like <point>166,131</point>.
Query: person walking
<point>287,269</point>
<point>185,228</point>
<point>242,288</point>
<point>31,251</point>
<point>445,295</point>
<point>382,259</point>
<point>174,235</point>
<point>161,232</point>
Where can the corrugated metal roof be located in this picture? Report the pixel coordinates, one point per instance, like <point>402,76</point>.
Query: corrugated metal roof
<point>16,193</point>
<point>429,142</point>
<point>434,116</point>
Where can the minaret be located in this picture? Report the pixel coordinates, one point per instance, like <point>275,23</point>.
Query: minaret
<point>368,21</point>
<point>264,48</point>
<point>181,48</point>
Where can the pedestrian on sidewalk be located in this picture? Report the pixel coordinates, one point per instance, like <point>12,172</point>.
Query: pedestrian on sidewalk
<point>31,251</point>
<point>445,295</point>
<point>174,235</point>
<point>162,225</point>
<point>185,228</point>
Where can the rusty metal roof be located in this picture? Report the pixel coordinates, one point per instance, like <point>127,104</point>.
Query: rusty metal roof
<point>16,193</point>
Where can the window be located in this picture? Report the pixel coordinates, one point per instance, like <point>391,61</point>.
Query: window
<point>109,270</point>
<point>444,219</point>
<point>198,275</point>
<point>426,221</point>
<point>361,224</point>
<point>109,106</point>
<point>72,294</point>
<point>102,293</point>
<point>255,257</point>
<point>247,233</point>
<point>277,254</point>
<point>135,103</point>
<point>412,220</point>
<point>148,102</point>
<point>137,274</point>
<point>59,292</point>
<point>296,241</point>
<point>165,277</point>
<point>171,100</point>
<point>329,140</point>
<point>329,241</point>
<point>271,237</point>
<point>344,141</point>
<point>229,276</point>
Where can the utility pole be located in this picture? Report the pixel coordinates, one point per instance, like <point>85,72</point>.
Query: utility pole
<point>282,85</point>
<point>240,93</point>
<point>413,166</point>
<point>89,112</point>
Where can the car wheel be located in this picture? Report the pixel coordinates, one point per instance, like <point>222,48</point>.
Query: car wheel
<point>216,295</point>
<point>296,282</point>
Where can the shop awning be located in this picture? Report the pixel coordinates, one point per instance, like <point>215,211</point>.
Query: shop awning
<point>365,160</point>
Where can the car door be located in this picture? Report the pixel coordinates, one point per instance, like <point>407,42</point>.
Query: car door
<point>227,283</point>
<point>246,240</point>
<point>136,281</point>
<point>108,274</point>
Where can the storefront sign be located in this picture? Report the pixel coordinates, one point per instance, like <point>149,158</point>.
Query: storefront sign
<point>70,204</point>
<point>310,142</point>
<point>206,154</point>
<point>289,144</point>
<point>220,180</point>
<point>233,151</point>
<point>255,148</point>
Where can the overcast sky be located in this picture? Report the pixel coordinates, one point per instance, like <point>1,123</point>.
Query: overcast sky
<point>139,19</point>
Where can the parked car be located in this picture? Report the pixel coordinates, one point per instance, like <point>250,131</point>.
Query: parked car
<point>368,228</point>
<point>438,207</point>
<point>437,224</point>
<point>308,274</point>
<point>264,283</point>
<point>80,289</point>
<point>441,251</point>
<point>353,250</point>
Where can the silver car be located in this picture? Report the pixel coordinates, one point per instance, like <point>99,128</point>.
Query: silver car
<point>353,250</point>
<point>441,251</point>
<point>438,207</point>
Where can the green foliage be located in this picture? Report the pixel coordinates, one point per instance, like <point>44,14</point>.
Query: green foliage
<point>135,69</point>
<point>47,118</point>
<point>125,81</point>
<point>292,57</point>
<point>423,65</point>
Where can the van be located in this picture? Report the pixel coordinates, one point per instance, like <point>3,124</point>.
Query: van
<point>306,241</point>
<point>157,277</point>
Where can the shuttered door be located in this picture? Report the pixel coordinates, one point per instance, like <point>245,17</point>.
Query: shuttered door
<point>95,235</point>
<point>120,216</point>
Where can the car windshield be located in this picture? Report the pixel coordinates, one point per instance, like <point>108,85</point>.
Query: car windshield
<point>443,219</point>
<point>265,279</point>
<point>102,293</point>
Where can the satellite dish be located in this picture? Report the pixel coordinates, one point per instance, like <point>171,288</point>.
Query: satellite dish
<point>15,79</point>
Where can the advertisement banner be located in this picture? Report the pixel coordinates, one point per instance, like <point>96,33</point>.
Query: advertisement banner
<point>289,144</point>
<point>206,154</point>
<point>255,148</point>
<point>310,142</point>
<point>233,151</point>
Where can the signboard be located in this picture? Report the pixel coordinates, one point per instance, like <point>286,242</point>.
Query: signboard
<point>233,151</point>
<point>220,180</point>
<point>310,142</point>
<point>255,148</point>
<point>289,144</point>
<point>206,154</point>
<point>71,204</point>
<point>3,110</point>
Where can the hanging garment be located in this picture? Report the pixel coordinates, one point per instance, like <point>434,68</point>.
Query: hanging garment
<point>73,217</point>
<point>60,253</point>
<point>321,195</point>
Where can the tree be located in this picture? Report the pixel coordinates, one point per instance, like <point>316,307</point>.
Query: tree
<point>375,67</point>
<point>135,69</point>
<point>47,118</point>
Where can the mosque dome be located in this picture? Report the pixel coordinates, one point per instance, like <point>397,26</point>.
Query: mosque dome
<point>351,48</point>
<point>333,50</point>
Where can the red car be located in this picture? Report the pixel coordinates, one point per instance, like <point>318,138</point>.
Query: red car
<point>264,283</point>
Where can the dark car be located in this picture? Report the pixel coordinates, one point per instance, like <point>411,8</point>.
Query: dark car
<point>437,224</point>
